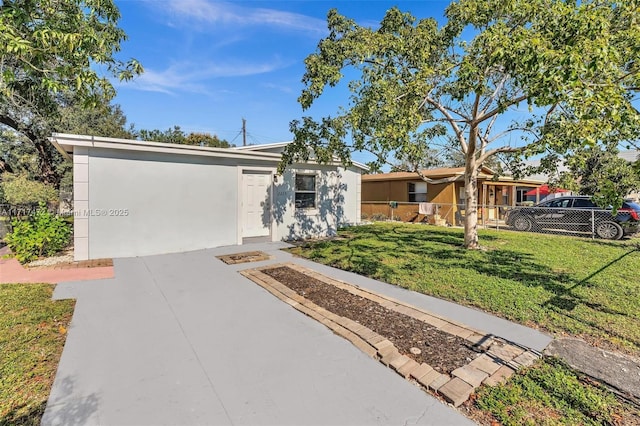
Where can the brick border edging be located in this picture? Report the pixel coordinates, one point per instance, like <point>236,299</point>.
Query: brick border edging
<point>498,362</point>
<point>244,257</point>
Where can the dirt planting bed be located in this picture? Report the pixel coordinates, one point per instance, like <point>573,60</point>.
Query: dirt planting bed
<point>416,339</point>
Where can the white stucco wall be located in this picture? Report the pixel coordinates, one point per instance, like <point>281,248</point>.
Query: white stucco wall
<point>145,203</point>
<point>135,203</point>
<point>337,202</point>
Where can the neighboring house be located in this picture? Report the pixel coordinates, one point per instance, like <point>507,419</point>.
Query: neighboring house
<point>494,194</point>
<point>134,198</point>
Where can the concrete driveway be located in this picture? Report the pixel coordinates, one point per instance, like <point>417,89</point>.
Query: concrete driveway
<point>184,339</point>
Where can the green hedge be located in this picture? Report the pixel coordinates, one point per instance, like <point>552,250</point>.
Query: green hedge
<point>42,234</point>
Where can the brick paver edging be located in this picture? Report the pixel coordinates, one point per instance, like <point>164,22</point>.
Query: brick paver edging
<point>499,360</point>
<point>245,257</point>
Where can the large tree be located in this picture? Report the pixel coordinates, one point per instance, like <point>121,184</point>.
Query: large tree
<point>18,154</point>
<point>51,47</point>
<point>525,77</point>
<point>601,173</point>
<point>176,135</point>
<point>102,119</point>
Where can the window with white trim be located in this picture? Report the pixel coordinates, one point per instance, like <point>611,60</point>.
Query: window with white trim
<point>305,191</point>
<point>521,194</point>
<point>417,192</point>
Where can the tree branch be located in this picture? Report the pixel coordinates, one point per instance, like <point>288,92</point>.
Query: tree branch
<point>497,110</point>
<point>476,104</point>
<point>10,122</point>
<point>451,121</point>
<point>494,95</point>
<point>438,181</point>
<point>503,149</point>
<point>484,139</point>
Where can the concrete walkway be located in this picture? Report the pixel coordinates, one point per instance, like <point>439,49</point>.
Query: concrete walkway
<point>11,271</point>
<point>185,339</point>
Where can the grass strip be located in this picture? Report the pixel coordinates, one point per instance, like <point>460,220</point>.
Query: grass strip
<point>32,335</point>
<point>551,393</point>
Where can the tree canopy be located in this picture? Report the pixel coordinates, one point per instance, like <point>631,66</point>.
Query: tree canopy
<point>177,135</point>
<point>101,119</point>
<point>512,77</point>
<point>19,155</point>
<point>48,49</point>
<point>602,174</point>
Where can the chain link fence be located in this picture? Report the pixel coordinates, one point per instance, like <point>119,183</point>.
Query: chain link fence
<point>594,223</point>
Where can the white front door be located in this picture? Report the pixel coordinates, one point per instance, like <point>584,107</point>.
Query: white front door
<point>256,204</point>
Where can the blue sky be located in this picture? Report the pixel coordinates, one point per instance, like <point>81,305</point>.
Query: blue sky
<point>211,63</point>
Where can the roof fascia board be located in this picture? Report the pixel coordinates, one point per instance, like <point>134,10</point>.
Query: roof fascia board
<point>61,150</point>
<point>459,176</point>
<point>281,144</point>
<point>261,147</point>
<point>65,143</point>
<point>415,177</point>
<point>331,164</point>
<point>61,141</point>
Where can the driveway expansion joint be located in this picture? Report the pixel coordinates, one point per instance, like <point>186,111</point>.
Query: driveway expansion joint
<point>499,361</point>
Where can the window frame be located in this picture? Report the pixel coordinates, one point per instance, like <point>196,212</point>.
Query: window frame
<point>412,194</point>
<point>297,191</point>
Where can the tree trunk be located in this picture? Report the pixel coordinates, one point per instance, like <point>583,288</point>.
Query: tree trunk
<point>38,134</point>
<point>5,167</point>
<point>471,208</point>
<point>471,194</point>
<point>48,172</point>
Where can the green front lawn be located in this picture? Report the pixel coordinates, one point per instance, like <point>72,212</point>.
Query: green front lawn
<point>565,285</point>
<point>550,393</point>
<point>32,335</point>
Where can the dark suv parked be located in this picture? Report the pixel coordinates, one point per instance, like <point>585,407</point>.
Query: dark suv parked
<point>576,214</point>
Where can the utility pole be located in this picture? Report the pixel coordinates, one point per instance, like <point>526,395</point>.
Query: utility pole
<point>244,132</point>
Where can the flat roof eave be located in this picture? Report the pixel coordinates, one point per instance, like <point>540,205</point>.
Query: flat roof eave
<point>66,142</point>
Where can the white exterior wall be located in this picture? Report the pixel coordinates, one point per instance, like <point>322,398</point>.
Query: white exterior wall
<point>135,203</point>
<point>81,203</point>
<point>145,203</point>
<point>337,202</point>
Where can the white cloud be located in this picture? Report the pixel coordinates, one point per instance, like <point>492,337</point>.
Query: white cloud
<point>215,12</point>
<point>194,77</point>
<point>279,87</point>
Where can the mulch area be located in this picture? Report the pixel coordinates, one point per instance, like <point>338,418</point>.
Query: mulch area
<point>416,339</point>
